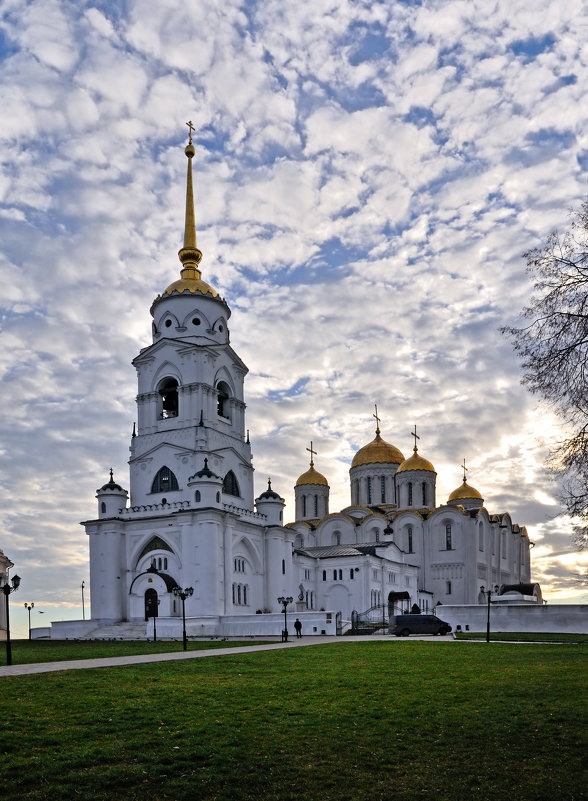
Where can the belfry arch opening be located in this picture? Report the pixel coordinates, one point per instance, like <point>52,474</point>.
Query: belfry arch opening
<point>224,394</point>
<point>168,394</point>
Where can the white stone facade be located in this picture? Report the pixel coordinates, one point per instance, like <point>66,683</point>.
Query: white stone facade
<point>190,519</point>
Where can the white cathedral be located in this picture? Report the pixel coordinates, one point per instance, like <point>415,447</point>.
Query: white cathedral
<point>191,519</point>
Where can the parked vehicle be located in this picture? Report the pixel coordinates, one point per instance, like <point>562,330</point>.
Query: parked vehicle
<point>403,625</point>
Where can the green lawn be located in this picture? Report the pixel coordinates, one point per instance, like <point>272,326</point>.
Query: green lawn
<point>387,720</point>
<point>525,636</point>
<point>28,651</point>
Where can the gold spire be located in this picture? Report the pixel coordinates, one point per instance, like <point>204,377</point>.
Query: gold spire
<point>189,255</point>
<point>190,280</point>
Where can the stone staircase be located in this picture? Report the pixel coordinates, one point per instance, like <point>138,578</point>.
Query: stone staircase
<point>118,631</point>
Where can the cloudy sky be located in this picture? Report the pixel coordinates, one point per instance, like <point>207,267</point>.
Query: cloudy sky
<point>368,176</point>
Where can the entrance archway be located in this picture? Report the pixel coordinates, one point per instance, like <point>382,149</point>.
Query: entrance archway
<point>394,599</point>
<point>150,603</point>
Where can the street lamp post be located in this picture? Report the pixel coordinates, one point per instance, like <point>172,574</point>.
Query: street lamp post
<point>183,594</point>
<point>489,594</point>
<point>28,607</point>
<point>83,605</point>
<point>285,602</point>
<point>7,589</point>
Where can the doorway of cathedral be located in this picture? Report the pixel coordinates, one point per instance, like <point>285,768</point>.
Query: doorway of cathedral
<point>395,602</point>
<point>150,603</point>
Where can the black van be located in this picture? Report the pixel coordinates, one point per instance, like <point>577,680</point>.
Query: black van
<point>403,625</point>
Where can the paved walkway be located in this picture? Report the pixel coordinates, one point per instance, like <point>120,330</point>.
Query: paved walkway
<point>141,659</point>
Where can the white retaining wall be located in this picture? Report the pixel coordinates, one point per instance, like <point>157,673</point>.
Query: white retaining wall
<point>556,618</point>
<point>71,629</point>
<point>267,625</point>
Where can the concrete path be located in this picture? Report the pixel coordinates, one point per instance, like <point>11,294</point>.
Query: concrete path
<point>142,659</point>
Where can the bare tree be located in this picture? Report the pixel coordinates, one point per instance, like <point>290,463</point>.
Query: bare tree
<point>553,346</point>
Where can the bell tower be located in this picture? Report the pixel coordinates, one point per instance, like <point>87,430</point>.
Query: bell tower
<point>190,401</point>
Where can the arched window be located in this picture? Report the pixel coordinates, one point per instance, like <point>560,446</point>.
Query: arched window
<point>245,594</point>
<point>448,537</point>
<point>316,505</point>
<point>231,485</point>
<point>410,493</point>
<point>304,506</point>
<point>168,392</point>
<point>369,491</point>
<point>382,489</point>
<point>424,489</point>
<point>224,393</point>
<point>103,507</point>
<point>409,538</point>
<point>324,575</point>
<point>197,496</point>
<point>337,538</point>
<point>164,481</point>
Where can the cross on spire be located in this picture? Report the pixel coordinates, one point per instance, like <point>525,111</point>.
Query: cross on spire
<point>377,418</point>
<point>111,476</point>
<point>192,128</point>
<point>464,468</point>
<point>312,453</point>
<point>416,436</point>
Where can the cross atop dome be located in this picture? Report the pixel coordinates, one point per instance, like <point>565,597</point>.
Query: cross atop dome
<point>377,419</point>
<point>312,453</point>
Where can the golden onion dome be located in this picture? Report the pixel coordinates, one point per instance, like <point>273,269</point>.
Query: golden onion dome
<point>190,285</point>
<point>312,476</point>
<point>377,452</point>
<point>416,462</point>
<point>464,492</point>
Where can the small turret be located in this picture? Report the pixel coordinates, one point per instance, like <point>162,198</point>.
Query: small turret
<point>271,505</point>
<point>111,498</point>
<point>207,487</point>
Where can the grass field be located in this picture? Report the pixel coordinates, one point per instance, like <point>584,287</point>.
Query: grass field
<point>525,636</point>
<point>28,651</point>
<point>388,720</point>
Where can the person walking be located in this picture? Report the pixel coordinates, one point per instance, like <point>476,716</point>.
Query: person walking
<point>298,628</point>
